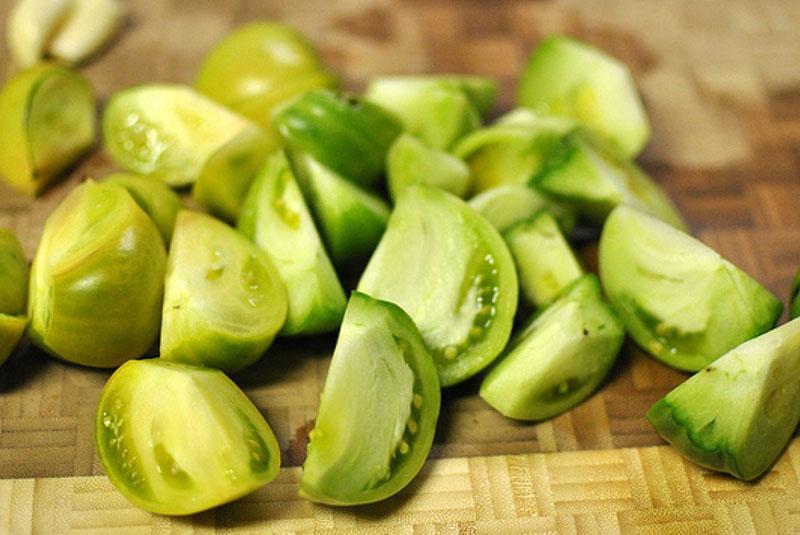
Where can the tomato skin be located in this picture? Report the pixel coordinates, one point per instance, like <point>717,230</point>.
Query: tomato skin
<point>177,439</point>
<point>378,409</point>
<point>260,65</point>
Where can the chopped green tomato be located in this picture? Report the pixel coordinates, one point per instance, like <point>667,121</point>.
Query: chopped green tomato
<point>350,219</point>
<point>11,330</point>
<point>276,218</point>
<point>378,409</point>
<point>410,161</point>
<point>47,122</point>
<point>13,274</point>
<point>258,66</point>
<point>181,137</point>
<point>737,414</point>
<point>508,204</point>
<point>450,270</point>
<point>568,78</point>
<point>88,26</point>
<point>342,132</point>
<point>679,300</point>
<point>224,301</point>
<point>31,24</point>
<point>559,359</point>
<point>592,180</point>
<point>794,297</point>
<point>513,150</point>
<point>154,197</point>
<point>437,111</point>
<point>97,279</point>
<point>545,262</point>
<point>176,439</point>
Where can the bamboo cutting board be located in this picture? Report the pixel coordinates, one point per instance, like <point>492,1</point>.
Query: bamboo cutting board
<point>721,82</point>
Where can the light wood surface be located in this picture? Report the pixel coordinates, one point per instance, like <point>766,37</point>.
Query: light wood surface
<point>721,82</point>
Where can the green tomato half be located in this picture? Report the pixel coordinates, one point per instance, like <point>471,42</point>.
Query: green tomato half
<point>451,271</point>
<point>378,409</point>
<point>176,439</point>
<point>97,279</point>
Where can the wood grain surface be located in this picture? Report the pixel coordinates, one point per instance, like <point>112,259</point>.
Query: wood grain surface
<point>721,83</point>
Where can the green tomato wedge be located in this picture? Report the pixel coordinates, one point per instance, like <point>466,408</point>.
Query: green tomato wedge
<point>13,274</point>
<point>451,271</point>
<point>182,137</point>
<point>513,150</point>
<point>276,218</point>
<point>176,439</point>
<point>342,132</point>
<point>11,330</point>
<point>97,279</point>
<point>737,414</point>
<point>545,262</point>
<point>592,180</point>
<point>794,297</point>
<point>47,122</point>
<point>559,359</point>
<point>410,161</point>
<point>154,197</point>
<point>437,111</point>
<point>224,301</point>
<point>565,77</point>
<point>258,66</point>
<point>679,300</point>
<point>350,219</point>
<point>378,409</point>
<point>508,204</point>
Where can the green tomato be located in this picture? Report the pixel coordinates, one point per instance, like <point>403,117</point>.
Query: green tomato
<point>11,330</point>
<point>224,301</point>
<point>258,66</point>
<point>154,197</point>
<point>13,274</point>
<point>176,439</point>
<point>97,279</point>
<point>451,271</point>
<point>794,297</point>
<point>342,132</point>
<point>378,409</point>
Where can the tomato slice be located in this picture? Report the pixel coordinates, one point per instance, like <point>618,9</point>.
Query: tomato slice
<point>378,410</point>
<point>451,271</point>
<point>176,439</point>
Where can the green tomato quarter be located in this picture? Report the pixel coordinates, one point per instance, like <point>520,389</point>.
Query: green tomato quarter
<point>342,132</point>
<point>451,271</point>
<point>97,279</point>
<point>378,409</point>
<point>224,301</point>
<point>410,161</point>
<point>176,439</point>
<point>258,66</point>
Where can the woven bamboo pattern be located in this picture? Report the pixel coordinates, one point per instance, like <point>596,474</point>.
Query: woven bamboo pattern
<point>721,83</point>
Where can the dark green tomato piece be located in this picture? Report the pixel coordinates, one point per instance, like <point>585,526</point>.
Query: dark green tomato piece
<point>342,132</point>
<point>350,219</point>
<point>176,439</point>
<point>97,279</point>
<point>11,330</point>
<point>13,274</point>
<point>276,218</point>
<point>224,301</point>
<point>794,297</point>
<point>559,359</point>
<point>378,409</point>
<point>737,414</point>
<point>451,271</point>
<point>154,197</point>
<point>679,300</point>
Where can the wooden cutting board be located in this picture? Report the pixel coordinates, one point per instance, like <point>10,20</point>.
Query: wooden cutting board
<point>721,82</point>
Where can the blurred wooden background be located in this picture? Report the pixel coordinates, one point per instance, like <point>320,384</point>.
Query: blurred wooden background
<point>721,82</point>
